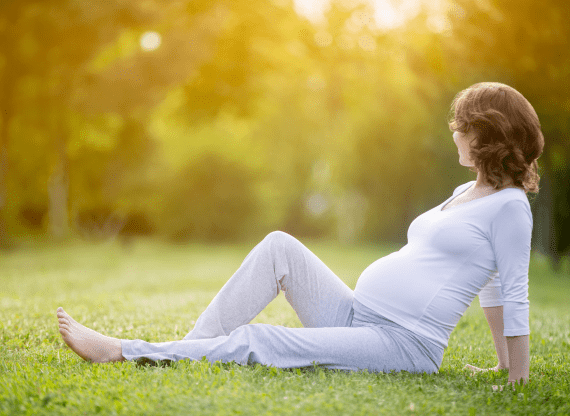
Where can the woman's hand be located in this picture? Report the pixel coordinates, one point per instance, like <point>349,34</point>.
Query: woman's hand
<point>475,370</point>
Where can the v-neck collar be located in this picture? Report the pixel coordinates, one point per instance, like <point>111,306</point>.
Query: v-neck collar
<point>451,198</point>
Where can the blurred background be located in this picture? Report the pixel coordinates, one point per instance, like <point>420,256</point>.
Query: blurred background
<point>220,121</point>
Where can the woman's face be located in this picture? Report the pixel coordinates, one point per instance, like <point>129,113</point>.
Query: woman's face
<point>462,141</point>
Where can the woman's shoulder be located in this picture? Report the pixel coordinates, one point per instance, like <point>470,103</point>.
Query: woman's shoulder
<point>512,203</point>
<point>506,195</point>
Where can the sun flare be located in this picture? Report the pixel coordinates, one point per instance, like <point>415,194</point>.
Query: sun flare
<point>387,14</point>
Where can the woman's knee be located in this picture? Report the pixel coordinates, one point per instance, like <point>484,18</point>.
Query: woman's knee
<point>280,238</point>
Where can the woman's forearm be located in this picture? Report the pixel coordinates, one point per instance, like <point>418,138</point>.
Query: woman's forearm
<point>519,358</point>
<point>494,317</point>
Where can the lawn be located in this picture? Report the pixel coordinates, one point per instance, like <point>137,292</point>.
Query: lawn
<point>155,292</point>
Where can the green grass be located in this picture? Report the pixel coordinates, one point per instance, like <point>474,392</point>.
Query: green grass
<point>155,292</point>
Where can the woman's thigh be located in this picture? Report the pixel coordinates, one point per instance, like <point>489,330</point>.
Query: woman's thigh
<point>345,348</point>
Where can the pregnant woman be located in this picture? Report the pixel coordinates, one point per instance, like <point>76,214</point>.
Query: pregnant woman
<point>406,304</point>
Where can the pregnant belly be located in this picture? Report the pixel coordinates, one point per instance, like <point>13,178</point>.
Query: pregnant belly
<point>400,283</point>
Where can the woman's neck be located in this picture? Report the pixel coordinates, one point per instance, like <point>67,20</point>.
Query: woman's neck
<point>482,185</point>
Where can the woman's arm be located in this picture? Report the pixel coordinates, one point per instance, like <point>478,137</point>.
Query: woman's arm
<point>510,236</point>
<point>519,358</point>
<point>494,317</point>
<point>512,352</point>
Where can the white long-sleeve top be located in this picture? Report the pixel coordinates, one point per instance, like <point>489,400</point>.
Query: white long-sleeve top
<point>478,247</point>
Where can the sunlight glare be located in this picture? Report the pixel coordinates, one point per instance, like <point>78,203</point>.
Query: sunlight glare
<point>387,14</point>
<point>150,41</point>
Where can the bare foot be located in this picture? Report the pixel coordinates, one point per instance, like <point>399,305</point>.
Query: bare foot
<point>88,344</point>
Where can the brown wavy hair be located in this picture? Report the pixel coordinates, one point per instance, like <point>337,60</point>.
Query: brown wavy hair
<point>508,136</point>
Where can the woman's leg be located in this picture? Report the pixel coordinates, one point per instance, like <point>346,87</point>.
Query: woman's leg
<point>361,346</point>
<point>377,349</point>
<point>348,348</point>
<point>278,262</point>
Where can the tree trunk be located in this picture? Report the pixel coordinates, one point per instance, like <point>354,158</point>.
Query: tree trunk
<point>58,183</point>
<point>58,187</point>
<point>542,233</point>
<point>3,169</point>
<point>58,191</point>
<point>551,214</point>
<point>561,217</point>
<point>6,111</point>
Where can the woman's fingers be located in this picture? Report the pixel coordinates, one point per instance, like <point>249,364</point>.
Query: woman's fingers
<point>473,369</point>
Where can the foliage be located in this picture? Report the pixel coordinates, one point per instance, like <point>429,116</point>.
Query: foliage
<point>211,199</point>
<point>93,120</point>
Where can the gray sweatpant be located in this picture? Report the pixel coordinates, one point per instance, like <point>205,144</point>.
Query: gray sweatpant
<point>338,332</point>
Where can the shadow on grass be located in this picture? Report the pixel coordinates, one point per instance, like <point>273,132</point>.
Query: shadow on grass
<point>147,362</point>
<point>266,369</point>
